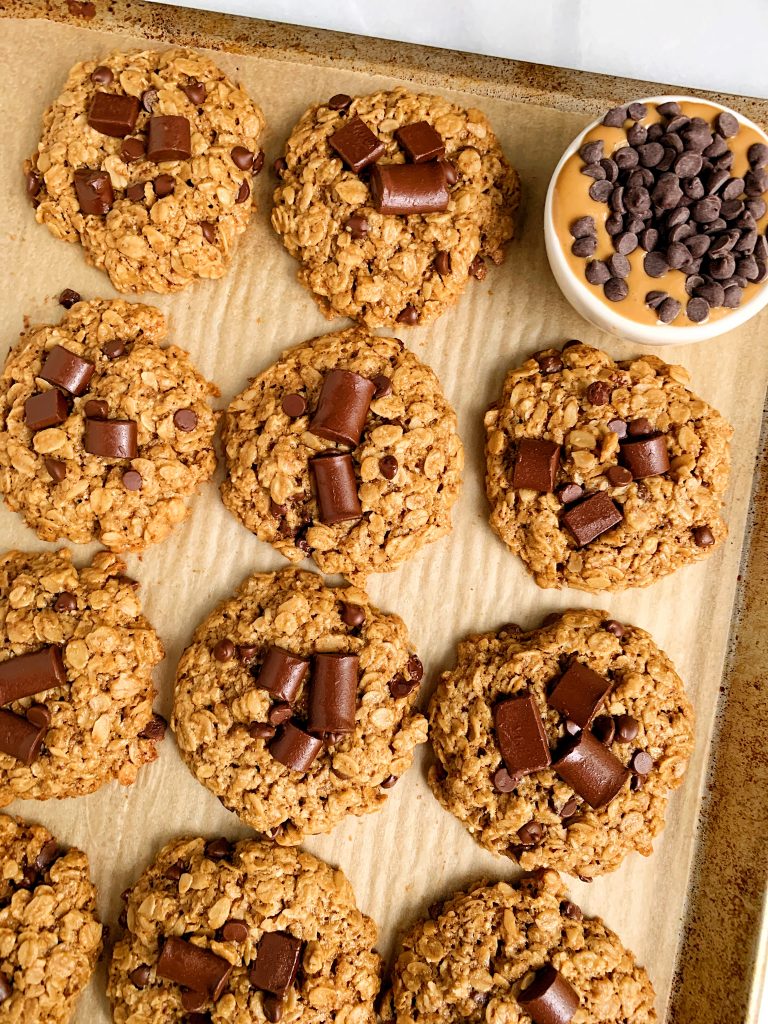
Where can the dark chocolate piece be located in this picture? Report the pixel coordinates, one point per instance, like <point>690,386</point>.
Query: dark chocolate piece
<point>336,486</point>
<point>590,769</point>
<point>68,298</point>
<point>235,930</point>
<point>388,466</point>
<point>223,650</point>
<point>333,694</point>
<point>549,999</point>
<point>406,189</point>
<point>133,149</point>
<point>185,420</point>
<point>282,673</point>
<point>56,469</point>
<point>169,138</point>
<point>520,735</point>
<point>536,464</point>
<point>102,75</point>
<point>112,439</point>
<point>193,967</point>
<point>591,517</point>
<point>20,737</point>
<point>356,144</point>
<point>277,961</point>
<point>342,407</point>
<point>352,615</point>
<point>420,141</point>
<point>242,158</point>
<point>579,693</point>
<point>67,370</point>
<point>47,409</point>
<point>295,748</point>
<point>94,191</point>
<point>194,91</point>
<point>27,674</point>
<point>132,480</point>
<point>113,114</point>
<point>646,456</point>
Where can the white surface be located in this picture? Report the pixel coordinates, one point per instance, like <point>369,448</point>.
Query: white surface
<point>587,302</point>
<point>679,42</point>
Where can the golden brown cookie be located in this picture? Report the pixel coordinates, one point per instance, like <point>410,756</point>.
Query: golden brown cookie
<point>604,475</point>
<point>385,268</point>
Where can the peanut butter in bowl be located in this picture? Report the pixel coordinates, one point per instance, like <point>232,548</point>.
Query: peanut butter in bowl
<point>656,219</point>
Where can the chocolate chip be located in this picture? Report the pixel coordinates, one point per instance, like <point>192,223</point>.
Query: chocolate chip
<point>279,713</point>
<point>569,492</point>
<point>235,930</point>
<point>615,627</point>
<point>442,263</point>
<point>616,289</point>
<point>583,247</point>
<point>400,687</point>
<point>383,386</point>
<point>209,231</point>
<point>594,171</point>
<point>627,728</point>
<point>618,427</point>
<point>96,409</point>
<point>599,392</point>
<point>569,808</point>
<point>703,536</point>
<point>449,171</point>
<point>597,272</point>
<point>697,310</point>
<point>641,763</point>
<point>357,226</point>
<point>68,298</point>
<point>669,310</point>
<point>601,191</point>
<point>65,602</point>
<point>549,364</point>
<point>670,108</point>
<point>194,91</point>
<point>388,467</point>
<point>139,976</point>
<point>155,729</point>
<point>218,849</point>
<point>415,668</point>
<point>615,117</point>
<point>352,615</point>
<point>294,405</point>
<point>618,476</point>
<point>102,75</point>
<point>604,729</point>
<point>56,469</point>
<point>531,833</point>
<point>280,166</point>
<point>131,150</point>
<point>583,227</point>
<point>149,99</point>
<point>261,731</point>
<point>477,268</point>
<point>409,315</point>
<point>503,782</point>
<point>132,480</point>
<point>571,911</point>
<point>340,101</point>
<point>135,193</point>
<point>243,192</point>
<point>639,427</point>
<point>727,124</point>
<point>164,184</point>
<point>223,650</point>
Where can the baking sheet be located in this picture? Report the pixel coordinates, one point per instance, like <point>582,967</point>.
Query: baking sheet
<point>412,852</point>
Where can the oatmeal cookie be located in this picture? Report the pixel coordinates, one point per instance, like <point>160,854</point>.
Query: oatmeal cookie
<point>146,159</point>
<point>104,434</point>
<point>50,935</point>
<point>513,954</point>
<point>76,660</point>
<point>247,932</point>
<point>559,747</point>
<point>294,704</point>
<point>399,482</point>
<point>380,267</point>
<point>605,475</point>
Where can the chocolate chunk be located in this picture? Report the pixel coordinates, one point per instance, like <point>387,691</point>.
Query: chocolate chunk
<point>642,763</point>
<point>155,729</point>
<point>132,149</point>
<point>139,976</point>
<point>26,674</point>
<point>185,420</point>
<point>65,602</point>
<point>646,456</point>
<point>604,729</point>
<point>357,226</point>
<point>47,409</point>
<point>568,493</point>
<point>579,693</point>
<point>520,735</point>
<point>408,315</point>
<point>280,713</point>
<point>356,144</point>
<point>342,407</point>
<point>56,469</point>
<point>420,141</point>
<point>235,930</point>
<point>194,91</point>
<point>295,748</point>
<point>352,615</point>
<point>282,673</point>
<point>591,517</point>
<point>67,370</point>
<point>163,185</point>
<point>111,439</point>
<point>333,694</point>
<point>627,728</point>
<point>277,962</point>
<point>549,999</point>
<point>336,488</point>
<point>703,536</point>
<point>409,188</point>
<point>69,298</point>
<point>536,465</point>
<point>340,101</point>
<point>169,138</point>
<point>19,737</point>
<point>224,650</point>
<point>193,967</point>
<point>94,191</point>
<point>388,467</point>
<point>590,769</point>
<point>113,114</point>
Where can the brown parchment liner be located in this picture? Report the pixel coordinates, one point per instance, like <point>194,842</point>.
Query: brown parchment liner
<point>693,912</point>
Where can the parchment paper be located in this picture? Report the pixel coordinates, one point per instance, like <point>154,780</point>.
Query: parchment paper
<point>412,852</point>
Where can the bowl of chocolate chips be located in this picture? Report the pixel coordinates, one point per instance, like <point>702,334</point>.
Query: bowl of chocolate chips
<point>655,221</point>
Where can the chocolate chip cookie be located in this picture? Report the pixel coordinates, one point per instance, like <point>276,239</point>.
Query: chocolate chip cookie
<point>517,954</point>
<point>605,475</point>
<point>294,704</point>
<point>559,747</point>
<point>104,434</point>
<point>345,449</point>
<point>247,932</point>
<point>392,202</point>
<point>147,160</point>
<point>50,935</point>
<point>76,660</point>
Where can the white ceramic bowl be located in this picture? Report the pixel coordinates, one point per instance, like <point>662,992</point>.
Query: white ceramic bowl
<point>585,300</point>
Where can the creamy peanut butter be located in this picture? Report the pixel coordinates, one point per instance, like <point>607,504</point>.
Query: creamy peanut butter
<point>571,200</point>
